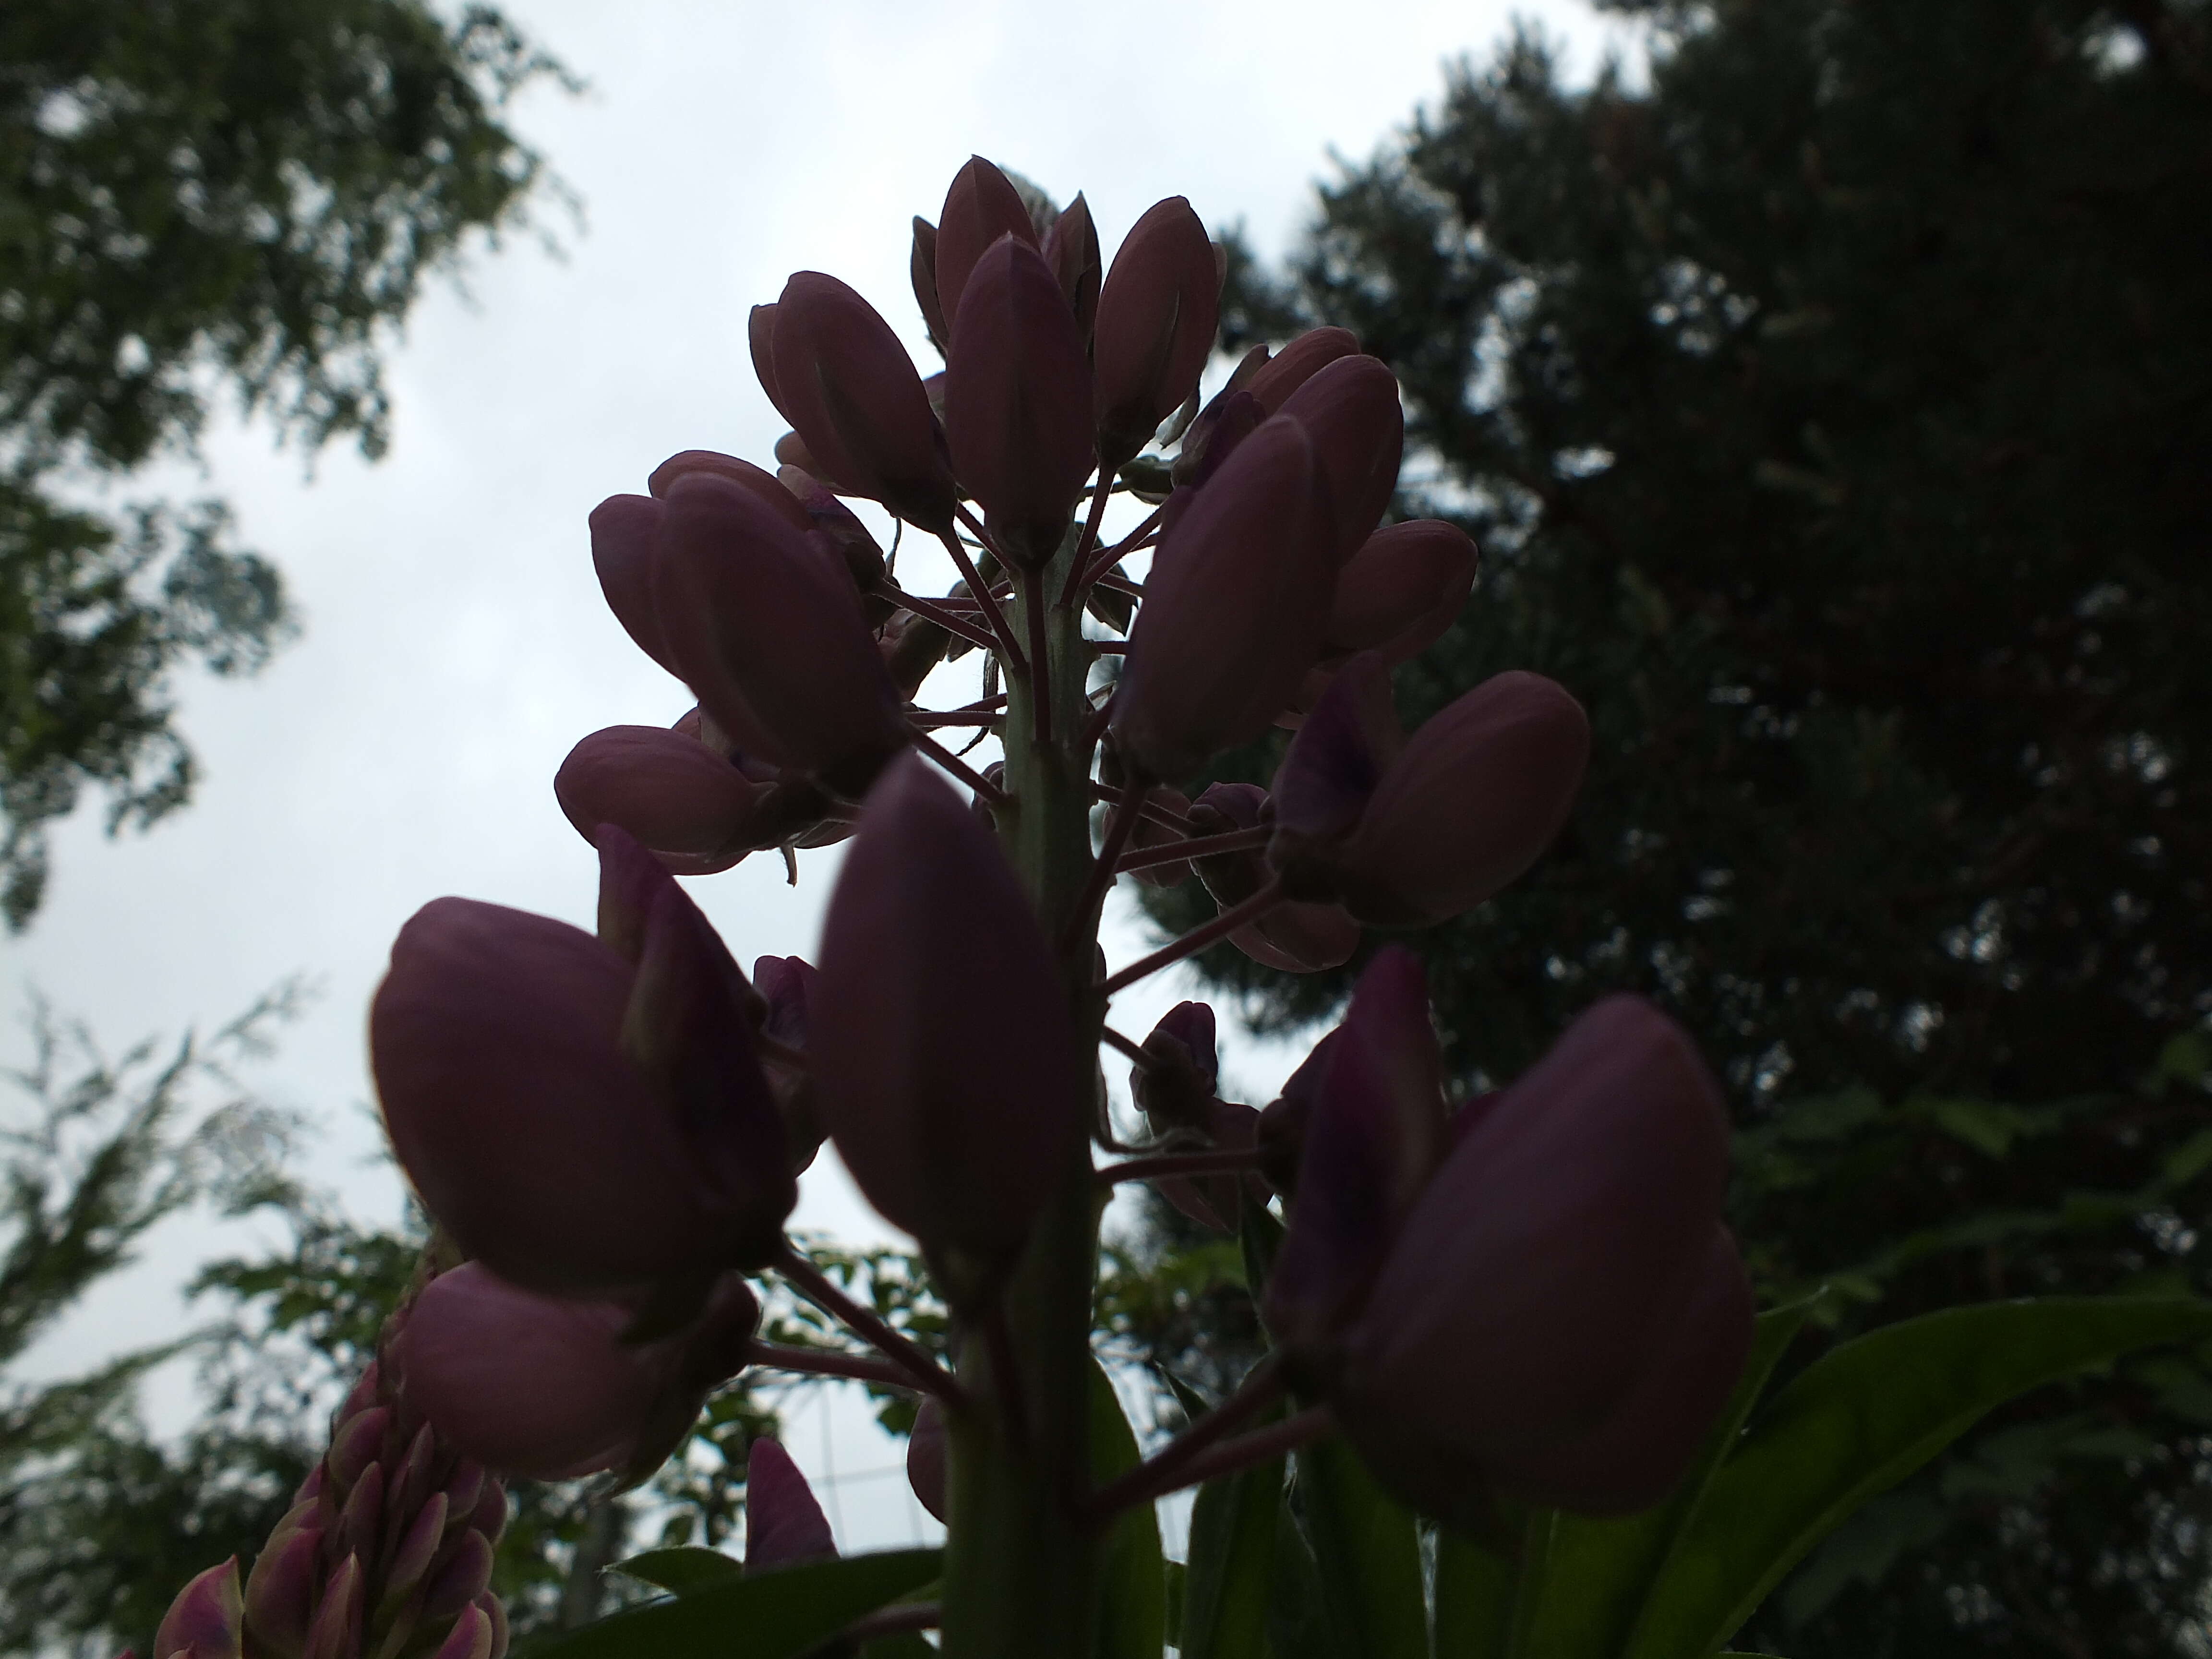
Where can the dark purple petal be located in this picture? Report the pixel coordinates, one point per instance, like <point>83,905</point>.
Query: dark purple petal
<point>1158,312</point>
<point>625,530</point>
<point>982,206</point>
<point>1070,248</point>
<point>1334,764</point>
<point>1402,589</point>
<point>672,792</point>
<point>1297,362</point>
<point>783,1523</point>
<point>921,270</point>
<point>1350,407</point>
<point>206,1620</point>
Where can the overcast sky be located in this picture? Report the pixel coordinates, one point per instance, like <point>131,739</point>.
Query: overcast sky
<point>456,645</point>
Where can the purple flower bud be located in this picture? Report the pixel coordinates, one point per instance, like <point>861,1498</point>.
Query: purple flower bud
<point>585,1123</point>
<point>1175,1090</point>
<point>1158,312</point>
<point>1281,1133</point>
<point>280,1591</point>
<point>921,270</point>
<point>418,1546</point>
<point>356,1444</point>
<point>692,463</point>
<point>457,1580</point>
<point>925,1450</point>
<point>767,628</point>
<point>783,1523</point>
<point>1298,937</point>
<point>1402,589</point>
<point>526,1384</point>
<point>1211,1200</point>
<point>851,392</point>
<point>624,529</point>
<point>335,1631</point>
<point>1070,248</point>
<point>1017,400</point>
<point>1375,1135</point>
<point>472,1637</point>
<point>787,982</point>
<point>945,1059</point>
<point>1299,362</point>
<point>1233,608</point>
<point>760,338</point>
<point>362,1518</point>
<point>678,798</point>
<point>206,1620</point>
<point>1333,765</point>
<point>490,1606</point>
<point>1351,408</point>
<point>1563,1284</point>
<point>831,518</point>
<point>1477,794</point>
<point>982,206</point>
<point>1222,425</point>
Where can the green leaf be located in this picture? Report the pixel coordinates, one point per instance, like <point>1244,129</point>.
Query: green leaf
<point>1259,1235</point>
<point>1857,1422</point>
<point>778,1615</point>
<point>1132,1607</point>
<point>1367,1552</point>
<point>1474,1596</point>
<point>1177,1579</point>
<point>681,1572</point>
<point>907,1645</point>
<point>1233,1549</point>
<point>1600,1571</point>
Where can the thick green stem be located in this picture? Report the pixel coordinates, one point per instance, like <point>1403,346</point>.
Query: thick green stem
<point>1021,1571</point>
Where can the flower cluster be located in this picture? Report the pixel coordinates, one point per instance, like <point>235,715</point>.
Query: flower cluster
<point>1528,1295</point>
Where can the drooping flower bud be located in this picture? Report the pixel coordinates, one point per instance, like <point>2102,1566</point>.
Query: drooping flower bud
<point>1298,362</point>
<point>784,1524</point>
<point>206,1620</point>
<point>925,1451</point>
<point>1174,1086</point>
<point>1211,1200</point>
<point>587,1118</point>
<point>768,630</point>
<point>1563,1284</point>
<point>921,270</point>
<point>1476,795</point>
<point>1233,608</point>
<point>944,1057</point>
<point>759,481</point>
<point>787,982</point>
<point>1281,1135</point>
<point>1351,408</point>
<point>677,796</point>
<point>1402,590</point>
<point>1375,1135</point>
<point>1070,248</point>
<point>1017,400</point>
<point>982,206</point>
<point>1331,770</point>
<point>847,387</point>
<point>841,527</point>
<point>625,530</point>
<point>1158,312</point>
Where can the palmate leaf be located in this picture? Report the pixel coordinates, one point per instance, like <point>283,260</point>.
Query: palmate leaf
<point>777,1614</point>
<point>1859,1421</point>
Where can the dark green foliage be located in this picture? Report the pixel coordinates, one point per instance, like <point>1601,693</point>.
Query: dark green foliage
<point>1833,419</point>
<point>241,198</point>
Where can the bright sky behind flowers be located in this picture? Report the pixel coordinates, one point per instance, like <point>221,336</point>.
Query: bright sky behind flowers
<point>456,645</point>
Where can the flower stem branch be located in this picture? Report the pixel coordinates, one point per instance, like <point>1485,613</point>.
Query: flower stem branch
<point>1113,556</point>
<point>1129,1046</point>
<point>817,1287</point>
<point>929,610</point>
<point>932,719</point>
<point>1262,1388</point>
<point>823,1362</point>
<point>1017,664</point>
<point>1096,729</point>
<point>1120,822</point>
<point>1223,1161</point>
<point>1078,568</point>
<point>1153,810</point>
<point>952,763</point>
<point>1198,847</point>
<point>1235,917</point>
<point>1032,592</point>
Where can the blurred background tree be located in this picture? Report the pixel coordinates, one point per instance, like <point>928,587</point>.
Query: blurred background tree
<point>202,200</point>
<point>1834,412</point>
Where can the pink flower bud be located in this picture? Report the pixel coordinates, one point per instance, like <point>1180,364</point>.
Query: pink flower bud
<point>624,529</point>
<point>585,1122</point>
<point>472,1637</point>
<point>760,338</point>
<point>921,270</point>
<point>783,1523</point>
<point>362,1520</point>
<point>767,628</point>
<point>1477,794</point>
<point>1281,1133</point>
<point>692,462</point>
<point>945,1056</point>
<point>1563,1284</point>
<point>335,1631</point>
<point>1375,1133</point>
<point>1299,362</point>
<point>1017,400</point>
<point>1233,608</point>
<point>926,1451</point>
<point>982,206</point>
<point>1402,589</point>
<point>832,519</point>
<point>686,803</point>
<point>356,1444</point>
<point>1351,408</point>
<point>1070,248</point>
<point>280,1591</point>
<point>1158,312</point>
<point>459,1579</point>
<point>851,392</point>
<point>206,1620</point>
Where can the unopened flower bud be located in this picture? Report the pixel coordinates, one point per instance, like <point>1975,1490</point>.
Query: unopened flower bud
<point>1158,312</point>
<point>787,982</point>
<point>1233,608</point>
<point>1352,410</point>
<point>1330,772</point>
<point>921,270</point>
<point>206,1620</point>
<point>1070,248</point>
<point>1574,1229</point>
<point>1298,362</point>
<point>944,1057</point>
<point>767,628</point>
<point>691,806</point>
<point>784,1524</point>
<point>625,530</point>
<point>1017,400</point>
<point>1402,589</point>
<point>1281,1135</point>
<point>1476,795</point>
<point>1174,1086</point>
<point>473,1635</point>
<point>841,526</point>
<point>849,390</point>
<point>688,462</point>
<point>280,1591</point>
<point>1211,1200</point>
<point>982,206</point>
<point>335,1631</point>
<point>925,1450</point>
